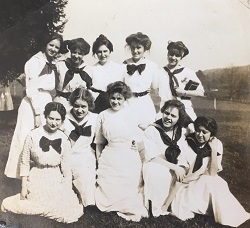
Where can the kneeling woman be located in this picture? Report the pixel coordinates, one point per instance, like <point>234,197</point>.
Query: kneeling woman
<point>119,161</point>
<point>203,191</point>
<point>163,141</point>
<point>45,171</point>
<point>80,127</point>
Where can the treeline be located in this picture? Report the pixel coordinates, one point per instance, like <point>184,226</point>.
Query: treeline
<point>24,25</point>
<point>232,83</point>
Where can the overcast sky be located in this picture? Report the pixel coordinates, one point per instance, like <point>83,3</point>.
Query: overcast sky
<point>217,32</point>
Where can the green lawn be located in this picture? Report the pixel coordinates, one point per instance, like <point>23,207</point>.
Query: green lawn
<point>233,121</point>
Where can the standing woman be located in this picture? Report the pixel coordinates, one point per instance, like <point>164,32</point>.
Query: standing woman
<point>104,72</point>
<point>45,171</point>
<point>41,79</point>
<point>80,127</point>
<point>141,76</point>
<point>202,190</point>
<point>163,143</point>
<point>119,161</point>
<point>73,71</point>
<point>174,78</point>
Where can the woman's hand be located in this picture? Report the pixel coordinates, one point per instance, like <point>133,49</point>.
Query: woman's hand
<point>181,92</point>
<point>24,193</point>
<point>180,173</point>
<point>37,121</point>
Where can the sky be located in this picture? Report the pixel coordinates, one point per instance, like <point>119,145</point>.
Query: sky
<point>216,32</point>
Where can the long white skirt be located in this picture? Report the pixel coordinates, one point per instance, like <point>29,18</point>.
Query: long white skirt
<point>209,195</point>
<point>119,178</point>
<point>157,183</point>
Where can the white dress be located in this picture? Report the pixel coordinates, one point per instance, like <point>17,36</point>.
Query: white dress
<point>102,76</point>
<point>183,77</point>
<point>208,195</point>
<point>83,160</point>
<point>142,106</point>
<point>73,84</point>
<point>157,177</point>
<point>49,181</point>
<point>119,166</point>
<point>38,90</point>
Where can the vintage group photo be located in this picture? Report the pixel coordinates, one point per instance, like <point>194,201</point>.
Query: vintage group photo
<point>124,113</point>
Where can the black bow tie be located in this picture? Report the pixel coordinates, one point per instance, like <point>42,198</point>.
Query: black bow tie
<point>133,68</point>
<point>45,143</point>
<point>80,130</point>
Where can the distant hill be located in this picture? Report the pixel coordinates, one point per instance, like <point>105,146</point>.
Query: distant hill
<point>232,83</point>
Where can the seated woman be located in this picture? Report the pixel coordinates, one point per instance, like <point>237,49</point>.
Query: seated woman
<point>202,191</point>
<point>73,71</point>
<point>119,161</point>
<point>104,72</point>
<point>80,127</point>
<point>174,79</point>
<point>45,171</point>
<point>163,143</point>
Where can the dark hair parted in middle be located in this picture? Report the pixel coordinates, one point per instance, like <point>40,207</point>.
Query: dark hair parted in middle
<point>206,122</point>
<point>119,87</point>
<point>141,39</point>
<point>101,40</point>
<point>55,106</point>
<point>83,94</point>
<point>73,44</point>
<point>184,119</point>
<point>53,36</point>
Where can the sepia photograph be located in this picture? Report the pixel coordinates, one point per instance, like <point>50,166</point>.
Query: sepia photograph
<point>124,113</point>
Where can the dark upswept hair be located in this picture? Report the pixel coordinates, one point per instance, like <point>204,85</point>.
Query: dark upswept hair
<point>184,118</point>
<point>55,106</point>
<point>206,122</point>
<point>179,45</point>
<point>140,38</point>
<point>50,37</point>
<point>119,87</point>
<point>73,44</point>
<point>101,40</point>
<point>83,94</point>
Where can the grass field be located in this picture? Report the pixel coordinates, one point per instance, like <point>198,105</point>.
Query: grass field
<point>233,120</point>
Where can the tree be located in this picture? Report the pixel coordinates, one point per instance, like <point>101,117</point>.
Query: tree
<point>232,79</point>
<point>24,25</point>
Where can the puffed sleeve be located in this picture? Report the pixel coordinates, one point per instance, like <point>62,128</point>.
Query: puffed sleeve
<point>219,155</point>
<point>65,159</point>
<point>151,149</point>
<point>25,157</point>
<point>99,136</point>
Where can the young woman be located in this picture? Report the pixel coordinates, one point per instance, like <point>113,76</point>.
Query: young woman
<point>141,76</point>
<point>46,174</point>
<point>163,143</point>
<point>80,127</point>
<point>73,71</point>
<point>104,72</point>
<point>174,78</point>
<point>202,191</point>
<point>41,79</point>
<point>119,161</point>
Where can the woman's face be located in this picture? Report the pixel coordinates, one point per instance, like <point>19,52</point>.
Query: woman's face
<point>202,134</point>
<point>103,54</point>
<point>137,51</point>
<point>174,56</point>
<point>53,121</point>
<point>170,117</point>
<point>80,109</point>
<point>52,48</point>
<point>76,56</point>
<point>116,101</point>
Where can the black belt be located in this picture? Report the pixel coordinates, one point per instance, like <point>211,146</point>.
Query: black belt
<point>141,94</point>
<point>185,98</point>
<point>62,94</point>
